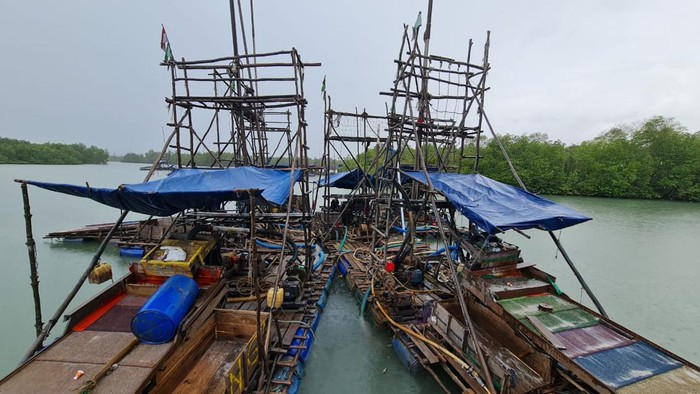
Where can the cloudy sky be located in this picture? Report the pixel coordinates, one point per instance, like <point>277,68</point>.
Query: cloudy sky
<point>87,71</point>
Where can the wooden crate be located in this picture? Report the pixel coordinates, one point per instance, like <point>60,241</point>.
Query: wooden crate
<point>242,325</point>
<point>220,355</point>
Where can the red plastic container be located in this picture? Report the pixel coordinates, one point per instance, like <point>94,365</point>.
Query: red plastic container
<point>390,266</point>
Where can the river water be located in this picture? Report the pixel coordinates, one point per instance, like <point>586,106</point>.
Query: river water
<point>637,257</point>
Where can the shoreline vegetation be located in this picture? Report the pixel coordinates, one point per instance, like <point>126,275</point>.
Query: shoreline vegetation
<point>203,159</point>
<point>657,159</point>
<point>14,151</point>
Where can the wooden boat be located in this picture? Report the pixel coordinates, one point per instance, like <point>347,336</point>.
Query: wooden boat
<point>212,348</point>
<point>470,307</point>
<point>160,166</point>
<point>97,336</point>
<point>217,346</point>
<point>241,231</point>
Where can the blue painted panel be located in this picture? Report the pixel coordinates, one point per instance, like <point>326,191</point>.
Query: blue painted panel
<point>626,365</point>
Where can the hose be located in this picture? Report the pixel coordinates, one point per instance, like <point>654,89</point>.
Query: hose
<point>363,305</point>
<point>416,335</point>
<point>290,244</point>
<point>320,261</point>
<point>345,237</point>
<point>275,246</point>
<point>442,250</point>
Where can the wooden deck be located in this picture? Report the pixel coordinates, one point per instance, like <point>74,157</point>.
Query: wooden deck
<point>89,351</point>
<point>210,373</point>
<point>603,354</point>
<point>93,343</point>
<point>215,349</point>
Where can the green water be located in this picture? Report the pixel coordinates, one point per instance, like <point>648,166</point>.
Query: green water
<point>637,256</point>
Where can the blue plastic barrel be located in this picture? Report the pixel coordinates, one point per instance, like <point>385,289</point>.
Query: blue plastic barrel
<point>308,343</point>
<point>160,316</point>
<point>342,267</point>
<point>296,342</point>
<point>315,321</point>
<point>405,355</point>
<point>323,299</point>
<point>131,252</point>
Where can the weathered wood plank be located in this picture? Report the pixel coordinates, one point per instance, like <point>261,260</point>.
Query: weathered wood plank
<point>545,332</point>
<point>209,373</point>
<point>425,350</point>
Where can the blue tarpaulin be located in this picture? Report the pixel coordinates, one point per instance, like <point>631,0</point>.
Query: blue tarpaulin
<point>343,180</point>
<point>495,206</point>
<point>188,189</point>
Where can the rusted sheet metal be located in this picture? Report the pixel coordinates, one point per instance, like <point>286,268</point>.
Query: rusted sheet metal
<point>626,365</point>
<point>680,381</point>
<point>530,306</point>
<point>583,341</point>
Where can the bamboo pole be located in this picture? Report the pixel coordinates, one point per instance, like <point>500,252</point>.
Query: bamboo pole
<point>234,35</point>
<point>91,384</point>
<point>39,341</point>
<point>465,108</point>
<point>242,66</point>
<point>421,163</point>
<point>551,234</point>
<point>408,64</point>
<point>256,285</point>
<point>33,265</point>
<point>482,86</point>
<point>190,128</point>
<point>231,58</point>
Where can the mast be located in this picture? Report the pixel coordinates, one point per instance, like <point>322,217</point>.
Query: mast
<point>430,116</point>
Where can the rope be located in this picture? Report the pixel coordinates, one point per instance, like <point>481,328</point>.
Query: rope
<point>244,285</point>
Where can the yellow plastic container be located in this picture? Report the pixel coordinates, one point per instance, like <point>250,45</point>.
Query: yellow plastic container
<point>274,300</point>
<point>100,274</point>
<point>153,263</point>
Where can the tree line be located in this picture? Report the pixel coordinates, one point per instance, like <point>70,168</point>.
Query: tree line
<point>201,159</point>
<point>657,159</point>
<point>14,151</point>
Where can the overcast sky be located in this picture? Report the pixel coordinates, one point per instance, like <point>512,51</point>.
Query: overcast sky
<point>87,71</point>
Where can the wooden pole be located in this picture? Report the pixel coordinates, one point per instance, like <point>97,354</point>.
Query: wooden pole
<point>41,336</point>
<point>482,90</point>
<point>256,286</point>
<point>39,342</point>
<point>234,35</point>
<point>551,234</point>
<point>33,266</point>
<point>91,384</point>
<point>578,275</point>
